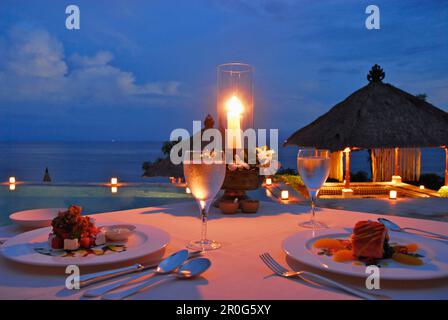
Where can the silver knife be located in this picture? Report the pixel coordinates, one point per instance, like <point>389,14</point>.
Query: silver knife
<point>91,278</point>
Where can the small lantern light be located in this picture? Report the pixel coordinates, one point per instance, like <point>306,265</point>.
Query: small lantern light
<point>12,186</point>
<point>114,181</point>
<point>187,190</point>
<point>268,181</point>
<point>422,187</point>
<point>285,195</point>
<point>114,189</point>
<point>393,194</point>
<point>12,180</point>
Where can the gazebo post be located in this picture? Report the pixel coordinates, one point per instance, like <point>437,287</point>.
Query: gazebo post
<point>446,166</point>
<point>347,191</point>
<point>444,189</point>
<point>396,176</point>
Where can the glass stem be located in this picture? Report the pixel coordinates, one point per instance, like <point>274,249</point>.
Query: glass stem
<point>313,196</point>
<point>313,208</point>
<point>204,206</point>
<point>204,224</point>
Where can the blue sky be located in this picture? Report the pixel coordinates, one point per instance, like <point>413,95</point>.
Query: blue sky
<point>138,69</point>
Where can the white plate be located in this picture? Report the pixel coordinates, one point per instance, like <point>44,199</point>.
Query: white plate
<point>144,241</point>
<point>299,247</point>
<point>36,218</point>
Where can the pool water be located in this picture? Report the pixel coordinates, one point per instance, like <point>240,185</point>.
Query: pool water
<point>92,198</point>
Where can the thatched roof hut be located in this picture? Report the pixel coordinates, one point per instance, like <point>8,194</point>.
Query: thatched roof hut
<point>378,115</point>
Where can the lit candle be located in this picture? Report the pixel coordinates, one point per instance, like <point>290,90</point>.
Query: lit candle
<point>12,179</point>
<point>114,181</point>
<point>285,195</point>
<point>422,187</point>
<point>114,189</point>
<point>12,187</point>
<point>393,194</point>
<point>268,181</point>
<point>187,190</point>
<point>234,109</point>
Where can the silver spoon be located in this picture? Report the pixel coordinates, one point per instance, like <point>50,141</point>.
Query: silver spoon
<point>189,270</point>
<point>167,265</point>
<point>395,227</point>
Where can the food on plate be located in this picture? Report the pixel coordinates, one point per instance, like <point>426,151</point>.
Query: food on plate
<point>368,244</point>
<point>370,241</point>
<point>329,243</point>
<point>72,231</point>
<point>407,259</point>
<point>344,255</point>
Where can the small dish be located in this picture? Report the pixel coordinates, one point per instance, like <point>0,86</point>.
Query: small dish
<point>228,207</point>
<point>119,232</point>
<point>35,218</point>
<point>250,206</point>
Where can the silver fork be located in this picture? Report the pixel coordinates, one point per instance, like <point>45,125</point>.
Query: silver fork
<point>283,272</point>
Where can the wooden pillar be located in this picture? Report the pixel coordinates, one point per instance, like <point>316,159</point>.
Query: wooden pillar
<point>347,168</point>
<point>446,165</point>
<point>397,166</point>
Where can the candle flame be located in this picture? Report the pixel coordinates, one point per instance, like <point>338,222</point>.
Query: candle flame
<point>234,105</point>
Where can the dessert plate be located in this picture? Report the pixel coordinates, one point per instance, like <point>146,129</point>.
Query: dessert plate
<point>144,241</point>
<point>300,248</point>
<point>35,218</point>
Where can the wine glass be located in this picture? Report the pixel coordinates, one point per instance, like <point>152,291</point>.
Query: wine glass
<point>313,166</point>
<point>204,173</point>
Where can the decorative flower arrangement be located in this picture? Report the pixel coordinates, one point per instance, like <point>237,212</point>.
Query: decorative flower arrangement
<point>265,162</point>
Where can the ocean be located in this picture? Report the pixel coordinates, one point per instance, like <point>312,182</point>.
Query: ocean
<point>84,162</point>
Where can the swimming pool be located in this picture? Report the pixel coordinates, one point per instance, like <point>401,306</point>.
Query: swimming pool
<point>92,198</point>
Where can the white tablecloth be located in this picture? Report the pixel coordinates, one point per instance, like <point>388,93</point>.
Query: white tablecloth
<point>236,272</point>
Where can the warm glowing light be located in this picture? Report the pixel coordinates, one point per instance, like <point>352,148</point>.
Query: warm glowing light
<point>422,187</point>
<point>347,149</point>
<point>12,187</point>
<point>187,190</point>
<point>234,109</point>
<point>114,189</point>
<point>393,194</point>
<point>285,195</point>
<point>202,203</point>
<point>114,181</point>
<point>12,179</point>
<point>234,105</point>
<point>268,181</point>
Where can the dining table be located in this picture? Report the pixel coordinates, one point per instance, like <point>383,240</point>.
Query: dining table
<point>236,271</point>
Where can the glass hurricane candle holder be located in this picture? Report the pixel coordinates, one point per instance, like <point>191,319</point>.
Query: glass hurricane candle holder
<point>235,100</point>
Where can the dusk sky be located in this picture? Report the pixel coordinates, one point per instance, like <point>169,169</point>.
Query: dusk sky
<point>138,69</point>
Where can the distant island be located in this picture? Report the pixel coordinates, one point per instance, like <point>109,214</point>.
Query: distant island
<point>163,167</point>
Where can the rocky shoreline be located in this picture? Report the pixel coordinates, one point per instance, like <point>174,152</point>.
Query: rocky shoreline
<point>162,168</point>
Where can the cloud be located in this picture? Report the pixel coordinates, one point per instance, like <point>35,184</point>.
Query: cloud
<point>33,68</point>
